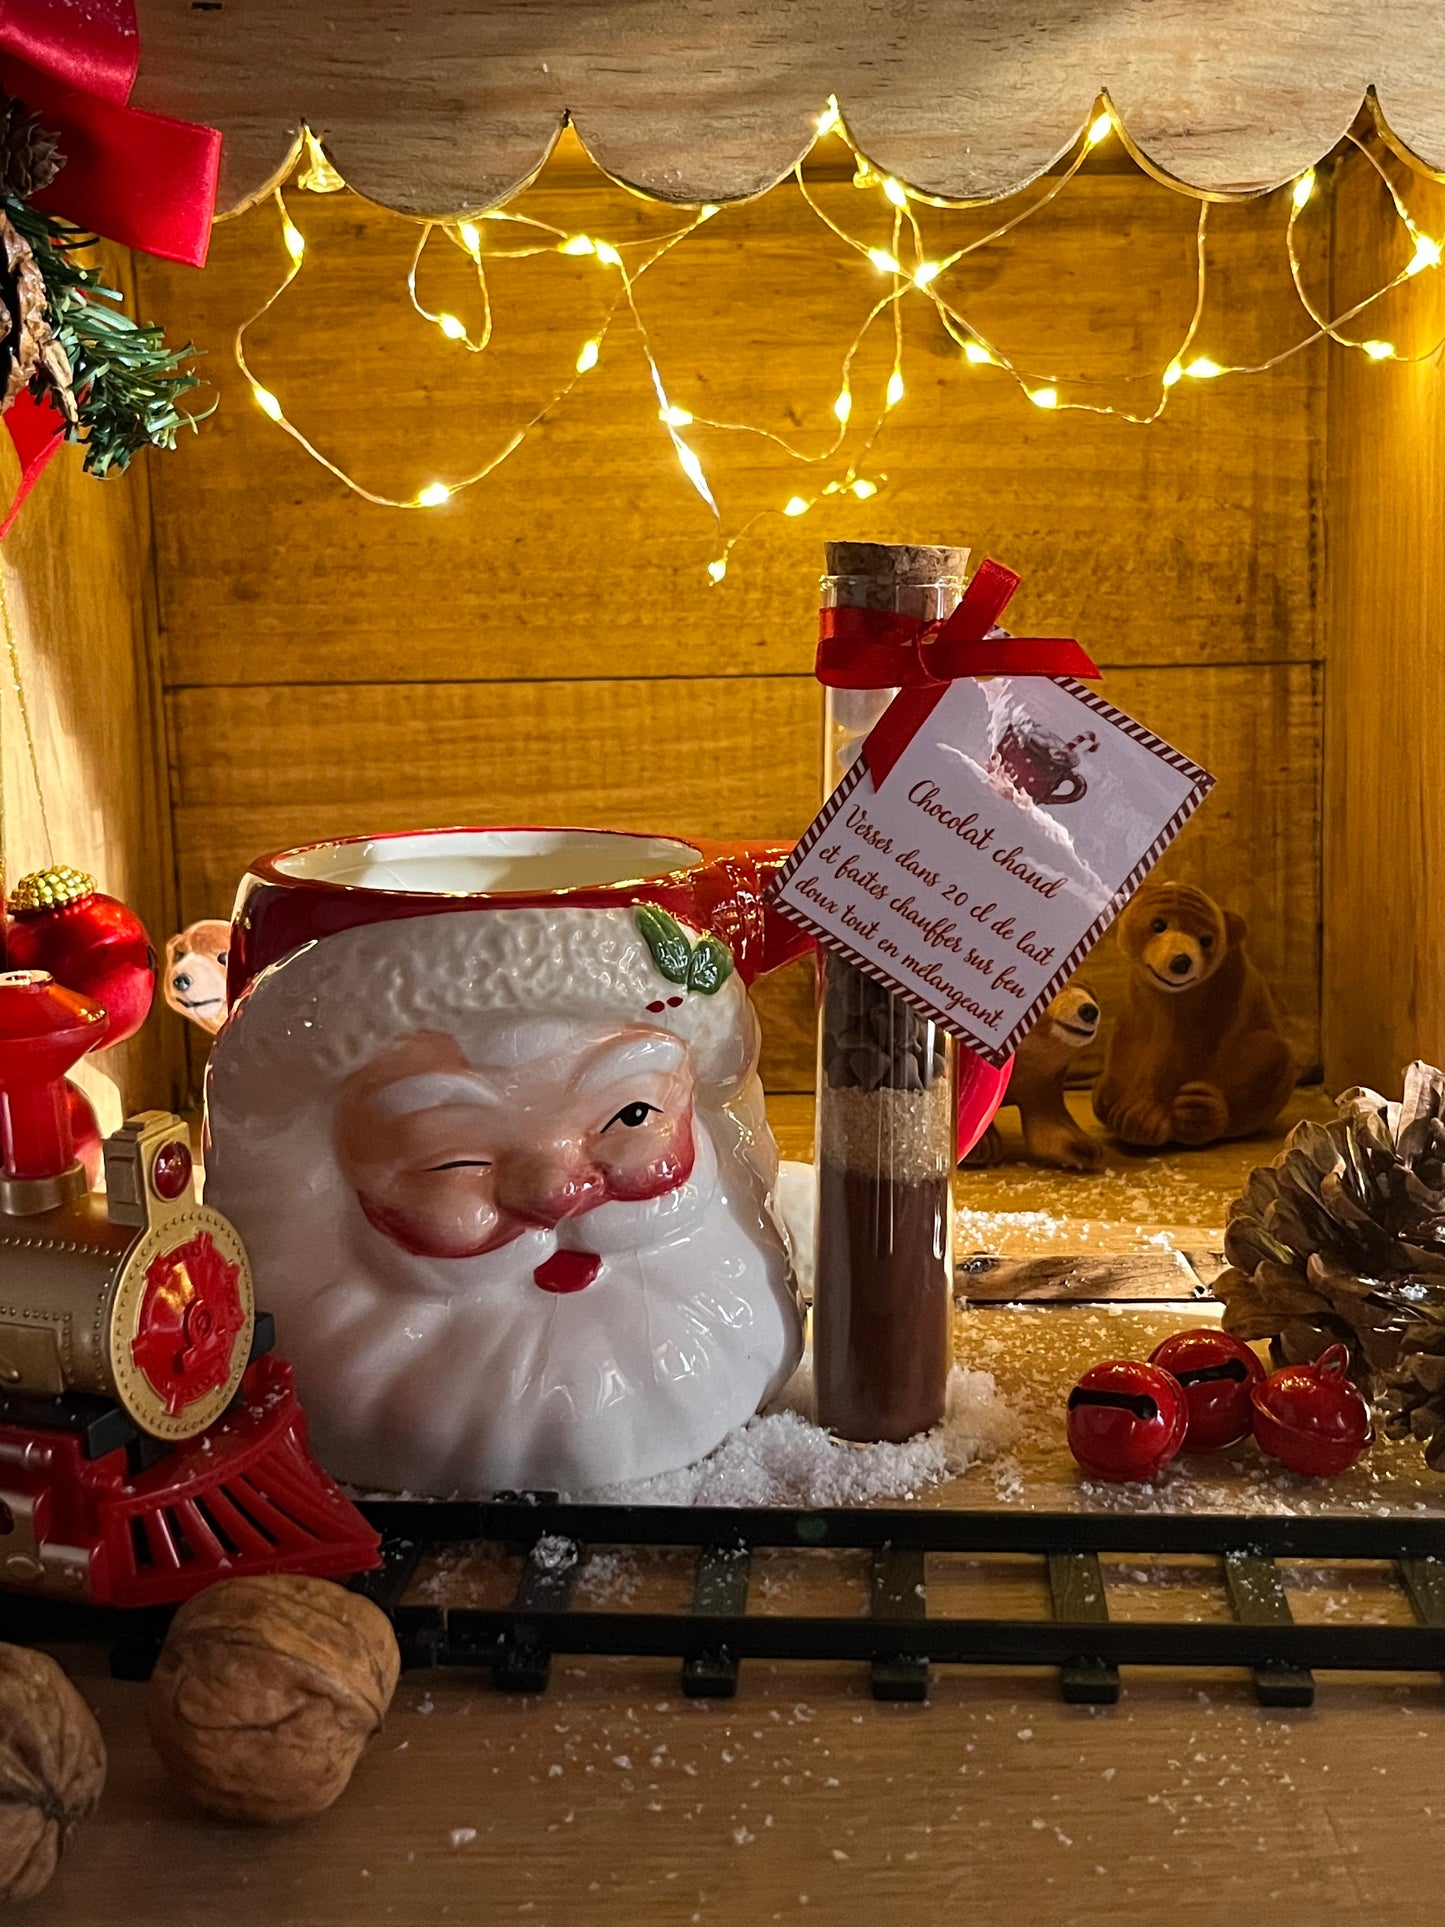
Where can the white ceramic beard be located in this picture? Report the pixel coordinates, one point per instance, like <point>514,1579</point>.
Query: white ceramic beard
<point>442,1376</point>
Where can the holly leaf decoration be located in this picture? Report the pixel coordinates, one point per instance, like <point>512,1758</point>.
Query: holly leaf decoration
<point>666,939</point>
<point>711,966</point>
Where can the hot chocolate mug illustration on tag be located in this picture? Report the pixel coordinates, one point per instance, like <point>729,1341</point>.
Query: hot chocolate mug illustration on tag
<point>486,1111</point>
<point>1038,764</point>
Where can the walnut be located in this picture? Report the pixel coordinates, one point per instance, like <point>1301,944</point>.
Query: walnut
<point>267,1691</point>
<point>52,1768</point>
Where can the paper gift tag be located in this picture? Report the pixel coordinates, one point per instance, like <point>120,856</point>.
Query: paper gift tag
<point>1002,843</point>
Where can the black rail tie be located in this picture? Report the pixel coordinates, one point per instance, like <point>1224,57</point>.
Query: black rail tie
<point>1076,1586</point>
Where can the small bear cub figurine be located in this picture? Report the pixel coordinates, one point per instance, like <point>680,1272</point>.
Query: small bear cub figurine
<point>1036,1086</point>
<point>1197,1053</point>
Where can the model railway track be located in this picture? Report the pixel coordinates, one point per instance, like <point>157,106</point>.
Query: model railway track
<point>899,1638</point>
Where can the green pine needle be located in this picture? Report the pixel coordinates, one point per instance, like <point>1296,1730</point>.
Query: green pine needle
<point>127,380</point>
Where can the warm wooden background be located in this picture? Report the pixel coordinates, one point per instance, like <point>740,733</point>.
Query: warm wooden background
<point>1384,852</point>
<point>548,647</point>
<point>78,581</point>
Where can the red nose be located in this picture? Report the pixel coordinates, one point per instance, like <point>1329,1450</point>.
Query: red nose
<point>544,1190</point>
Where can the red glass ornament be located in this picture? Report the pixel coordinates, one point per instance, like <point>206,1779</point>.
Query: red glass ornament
<point>1218,1373</point>
<point>1126,1420</point>
<point>1311,1418</point>
<point>85,1138</point>
<point>96,945</point>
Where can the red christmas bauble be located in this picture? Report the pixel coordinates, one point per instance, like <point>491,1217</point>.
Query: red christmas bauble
<point>85,1138</point>
<point>89,942</point>
<point>1218,1372</point>
<point>1311,1418</point>
<point>1126,1420</point>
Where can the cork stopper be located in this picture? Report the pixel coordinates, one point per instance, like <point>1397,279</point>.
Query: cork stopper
<point>50,889</point>
<point>909,562</point>
<point>919,579</point>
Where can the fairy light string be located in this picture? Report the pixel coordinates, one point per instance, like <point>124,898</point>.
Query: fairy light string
<point>911,273</point>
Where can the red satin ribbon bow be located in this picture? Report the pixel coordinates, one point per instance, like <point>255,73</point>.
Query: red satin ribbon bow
<point>142,179</point>
<point>880,649</point>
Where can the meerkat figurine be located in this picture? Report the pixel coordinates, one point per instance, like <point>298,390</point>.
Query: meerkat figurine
<point>1036,1086</point>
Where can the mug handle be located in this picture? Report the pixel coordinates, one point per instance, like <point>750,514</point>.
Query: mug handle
<point>1079,786</point>
<point>981,1089</point>
<point>728,893</point>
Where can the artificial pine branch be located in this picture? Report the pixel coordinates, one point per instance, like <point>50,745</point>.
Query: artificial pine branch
<point>126,380</point>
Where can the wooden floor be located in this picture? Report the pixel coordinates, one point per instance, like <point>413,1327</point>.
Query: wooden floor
<point>614,1800</point>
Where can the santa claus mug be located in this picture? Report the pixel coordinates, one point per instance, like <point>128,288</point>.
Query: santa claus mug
<point>487,1115</point>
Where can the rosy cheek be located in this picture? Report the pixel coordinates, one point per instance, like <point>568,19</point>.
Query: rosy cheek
<point>440,1220</point>
<point>657,1162</point>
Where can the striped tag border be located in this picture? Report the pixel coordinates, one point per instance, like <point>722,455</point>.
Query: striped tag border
<point>998,1054</point>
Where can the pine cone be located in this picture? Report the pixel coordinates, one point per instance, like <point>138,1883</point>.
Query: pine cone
<point>1342,1239</point>
<point>30,158</point>
<point>26,342</point>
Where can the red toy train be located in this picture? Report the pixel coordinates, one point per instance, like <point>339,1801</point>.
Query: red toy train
<point>149,1444</point>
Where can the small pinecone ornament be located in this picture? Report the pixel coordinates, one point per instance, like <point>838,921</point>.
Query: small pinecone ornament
<point>30,158</point>
<point>1342,1240</point>
<point>27,344</point>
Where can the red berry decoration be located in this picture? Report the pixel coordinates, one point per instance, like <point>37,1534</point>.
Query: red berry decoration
<point>1311,1418</point>
<point>1218,1373</point>
<point>91,943</point>
<point>1126,1420</point>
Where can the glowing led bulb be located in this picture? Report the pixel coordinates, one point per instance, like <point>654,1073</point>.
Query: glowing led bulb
<point>863,488</point>
<point>1100,129</point>
<point>884,261</point>
<point>1203,369</point>
<point>470,236</point>
<point>795,505</point>
<point>1044,397</point>
<point>1304,187</point>
<point>577,244</point>
<point>895,388</point>
<point>295,240</point>
<point>587,356</point>
<point>894,191</point>
<point>1426,255</point>
<point>453,329</point>
<point>829,118</point>
<point>433,495</point>
<point>607,254</point>
<point>975,352</point>
<point>925,272</point>
<point>266,401</point>
<point>674,417</point>
<point>843,406</point>
<point>319,177</point>
<point>1172,374</point>
<point>718,569</point>
<point>1379,350</point>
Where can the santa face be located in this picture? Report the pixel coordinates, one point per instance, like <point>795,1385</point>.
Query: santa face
<point>540,1256</point>
<point>451,1160</point>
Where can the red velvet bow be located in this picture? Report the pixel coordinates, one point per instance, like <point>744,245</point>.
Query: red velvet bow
<point>879,649</point>
<point>142,179</point>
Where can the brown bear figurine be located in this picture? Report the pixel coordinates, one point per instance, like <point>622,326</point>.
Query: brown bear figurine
<point>1197,1053</point>
<point>1036,1085</point>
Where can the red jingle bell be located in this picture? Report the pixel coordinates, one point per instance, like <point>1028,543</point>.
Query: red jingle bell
<point>1218,1373</point>
<point>1126,1420</point>
<point>91,943</point>
<point>1311,1418</point>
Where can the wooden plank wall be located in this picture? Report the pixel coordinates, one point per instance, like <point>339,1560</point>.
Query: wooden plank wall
<point>1384,852</point>
<point>78,581</point>
<point>548,646</point>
